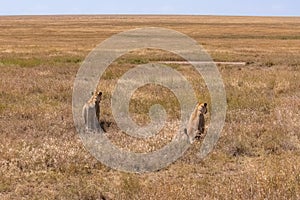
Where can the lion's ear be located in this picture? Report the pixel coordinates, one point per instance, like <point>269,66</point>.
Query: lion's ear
<point>205,104</point>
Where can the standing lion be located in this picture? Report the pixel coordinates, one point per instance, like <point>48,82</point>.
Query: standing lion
<point>196,124</point>
<point>91,112</point>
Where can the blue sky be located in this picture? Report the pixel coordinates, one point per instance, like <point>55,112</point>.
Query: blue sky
<point>194,7</point>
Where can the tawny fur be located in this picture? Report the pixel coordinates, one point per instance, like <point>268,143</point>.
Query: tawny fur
<point>91,112</point>
<point>196,124</point>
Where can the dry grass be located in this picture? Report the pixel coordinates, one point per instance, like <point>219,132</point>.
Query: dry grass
<point>257,156</point>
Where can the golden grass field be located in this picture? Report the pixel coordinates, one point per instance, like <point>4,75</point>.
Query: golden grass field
<point>42,156</point>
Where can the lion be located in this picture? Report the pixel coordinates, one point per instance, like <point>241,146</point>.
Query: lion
<point>196,124</point>
<point>91,112</point>
<point>97,105</point>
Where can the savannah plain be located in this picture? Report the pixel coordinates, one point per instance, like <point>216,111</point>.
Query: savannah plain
<point>256,157</point>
